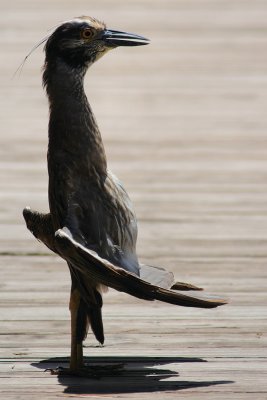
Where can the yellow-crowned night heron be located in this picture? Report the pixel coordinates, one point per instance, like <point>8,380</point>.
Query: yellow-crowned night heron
<point>91,223</point>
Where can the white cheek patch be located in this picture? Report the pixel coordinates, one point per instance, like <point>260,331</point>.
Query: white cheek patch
<point>101,53</point>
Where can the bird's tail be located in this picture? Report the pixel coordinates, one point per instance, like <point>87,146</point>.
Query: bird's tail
<point>95,318</point>
<point>89,315</point>
<point>101,270</point>
<point>89,311</point>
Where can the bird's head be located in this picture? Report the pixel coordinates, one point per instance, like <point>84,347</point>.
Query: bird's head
<point>83,40</point>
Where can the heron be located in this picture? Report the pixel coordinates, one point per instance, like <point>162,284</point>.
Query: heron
<point>91,223</point>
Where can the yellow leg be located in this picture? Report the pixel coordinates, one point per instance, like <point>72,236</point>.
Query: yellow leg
<point>76,355</point>
<point>77,367</point>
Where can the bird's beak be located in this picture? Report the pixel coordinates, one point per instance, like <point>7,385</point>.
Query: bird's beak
<point>117,38</point>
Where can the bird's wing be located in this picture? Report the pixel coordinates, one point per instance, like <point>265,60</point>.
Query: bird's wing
<point>101,217</point>
<point>100,270</point>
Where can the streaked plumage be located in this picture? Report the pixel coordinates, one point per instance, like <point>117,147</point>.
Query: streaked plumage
<point>91,223</point>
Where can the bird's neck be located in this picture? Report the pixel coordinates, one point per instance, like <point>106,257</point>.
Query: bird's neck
<point>73,131</point>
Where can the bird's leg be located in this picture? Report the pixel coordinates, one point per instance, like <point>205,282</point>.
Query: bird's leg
<point>76,355</point>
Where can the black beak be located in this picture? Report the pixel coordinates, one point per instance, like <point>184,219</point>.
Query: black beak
<point>117,38</point>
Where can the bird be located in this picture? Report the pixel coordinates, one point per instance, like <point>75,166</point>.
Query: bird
<point>91,223</point>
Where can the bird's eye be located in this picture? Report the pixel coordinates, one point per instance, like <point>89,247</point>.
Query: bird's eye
<point>87,33</point>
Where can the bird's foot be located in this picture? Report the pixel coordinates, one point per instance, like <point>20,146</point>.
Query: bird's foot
<point>89,371</point>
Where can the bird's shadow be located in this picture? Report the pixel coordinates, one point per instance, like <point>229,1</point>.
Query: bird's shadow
<point>128,375</point>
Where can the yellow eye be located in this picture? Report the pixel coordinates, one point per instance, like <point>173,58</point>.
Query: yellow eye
<point>87,33</point>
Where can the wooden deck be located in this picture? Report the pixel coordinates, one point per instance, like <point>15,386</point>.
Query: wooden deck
<point>184,123</point>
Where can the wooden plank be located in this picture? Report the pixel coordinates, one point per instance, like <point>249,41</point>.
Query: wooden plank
<point>184,125</point>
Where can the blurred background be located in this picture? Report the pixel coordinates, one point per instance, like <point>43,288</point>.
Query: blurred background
<point>183,120</point>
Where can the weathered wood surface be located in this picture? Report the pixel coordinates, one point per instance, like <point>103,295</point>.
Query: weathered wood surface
<point>184,124</point>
